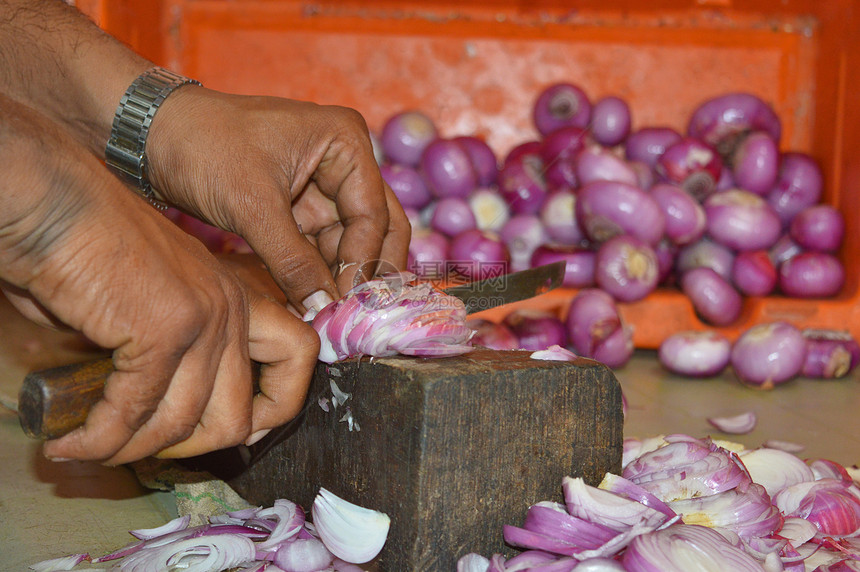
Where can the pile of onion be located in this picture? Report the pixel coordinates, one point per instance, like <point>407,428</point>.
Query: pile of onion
<point>684,504</point>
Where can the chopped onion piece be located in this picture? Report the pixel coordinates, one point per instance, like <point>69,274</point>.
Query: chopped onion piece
<point>201,554</point>
<point>554,353</point>
<point>352,533</point>
<point>775,469</point>
<point>180,523</point>
<point>737,424</point>
<point>59,564</point>
<point>473,563</point>
<point>781,445</point>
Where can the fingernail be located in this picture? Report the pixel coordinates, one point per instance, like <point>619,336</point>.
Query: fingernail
<point>59,459</point>
<point>317,301</point>
<point>256,437</point>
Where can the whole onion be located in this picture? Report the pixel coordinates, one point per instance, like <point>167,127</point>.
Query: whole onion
<point>452,216</point>
<point>811,275</point>
<point>405,135</point>
<point>649,143</point>
<point>754,273</point>
<point>818,228</point>
<point>536,329</point>
<point>595,328</point>
<point>829,353</point>
<point>714,299</point>
<point>523,234</point>
<point>610,120</point>
<point>755,162</point>
<point>563,144</point>
<point>490,209</point>
<point>522,185</point>
<point>709,254</point>
<point>691,164</point>
<point>479,254</point>
<point>579,263</point>
<point>596,163</point>
<point>448,169</point>
<point>408,186</point>
<point>799,185</point>
<point>695,353</point>
<point>606,208</point>
<point>725,120</point>
<point>684,215</point>
<point>560,105</point>
<point>483,158</point>
<point>532,148</point>
<point>767,355</point>
<point>626,268</point>
<point>742,220</point>
<point>493,335</point>
<point>558,215</point>
<point>428,251</point>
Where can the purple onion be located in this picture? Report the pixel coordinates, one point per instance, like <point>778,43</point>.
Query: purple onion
<point>532,148</point>
<point>818,228</point>
<point>784,249</point>
<point>579,263</point>
<point>606,208</point>
<point>523,234</point>
<point>483,158</point>
<point>558,215</point>
<point>479,254</point>
<point>726,180</point>
<point>666,252</point>
<point>560,105</point>
<point>595,163</point>
<point>767,355</point>
<point>558,152</point>
<point>695,353</point>
<point>649,143</point>
<point>685,547</point>
<point>493,335</point>
<point>536,329</point>
<point>522,185</point>
<point>448,169</point>
<point>799,185</point>
<point>490,209</point>
<point>595,328</point>
<point>691,164</point>
<point>715,300</point>
<point>708,254</point>
<point>723,121</point>
<point>755,162</point>
<point>610,121</point>
<point>626,268</point>
<point>684,215</point>
<point>428,251</point>
<point>829,353</point>
<point>405,135</point>
<point>811,275</point>
<point>742,220</point>
<point>407,184</point>
<point>754,273</point>
<point>452,216</point>
<point>645,176</point>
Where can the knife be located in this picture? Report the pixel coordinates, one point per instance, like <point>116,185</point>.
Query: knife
<point>55,401</point>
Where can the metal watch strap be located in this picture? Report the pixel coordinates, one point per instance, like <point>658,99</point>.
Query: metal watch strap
<point>126,148</point>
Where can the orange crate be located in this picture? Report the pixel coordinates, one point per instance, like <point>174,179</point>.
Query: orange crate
<point>476,66</point>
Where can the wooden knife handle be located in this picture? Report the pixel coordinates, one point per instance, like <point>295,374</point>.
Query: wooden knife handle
<point>55,401</point>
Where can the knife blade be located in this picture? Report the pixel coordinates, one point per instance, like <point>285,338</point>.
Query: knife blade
<point>55,401</point>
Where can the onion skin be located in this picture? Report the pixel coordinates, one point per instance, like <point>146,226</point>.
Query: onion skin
<point>606,208</point>
<point>695,353</point>
<point>610,121</point>
<point>560,105</point>
<point>714,299</point>
<point>448,169</point>
<point>742,220</point>
<point>627,268</point>
<point>755,163</point>
<point>829,354</point>
<point>408,186</point>
<point>684,215</point>
<point>768,355</point>
<point>579,263</point>
<point>818,228</point>
<point>811,275</point>
<point>405,136</point>
<point>754,273</point>
<point>649,143</point>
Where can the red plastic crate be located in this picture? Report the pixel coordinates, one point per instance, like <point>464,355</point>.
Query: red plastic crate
<point>476,67</point>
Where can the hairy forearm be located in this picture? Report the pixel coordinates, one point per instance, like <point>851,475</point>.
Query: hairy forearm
<point>54,59</point>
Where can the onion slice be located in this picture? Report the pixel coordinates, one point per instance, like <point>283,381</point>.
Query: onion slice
<point>737,425</point>
<point>352,533</point>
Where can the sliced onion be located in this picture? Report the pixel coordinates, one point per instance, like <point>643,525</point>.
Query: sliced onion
<point>605,508</point>
<point>536,329</point>
<point>560,105</point>
<point>742,220</point>
<point>714,299</point>
<point>199,554</point>
<point>579,263</point>
<point>684,215</point>
<point>831,505</point>
<point>605,209</point>
<point>781,445</point>
<point>811,275</point>
<point>179,523</point>
<point>649,143</point>
<point>405,136</point>
<point>626,268</point>
<point>737,424</point>
<point>818,228</point>
<point>61,564</point>
<point>554,353</point>
<point>352,533</point>
<point>829,354</point>
<point>610,120</point>
<point>303,555</point>
<point>774,469</point>
<point>746,510</point>
<point>473,562</point>
<point>767,355</point>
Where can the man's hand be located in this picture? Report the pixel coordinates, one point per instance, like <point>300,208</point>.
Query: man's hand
<point>79,247</point>
<point>297,180</point>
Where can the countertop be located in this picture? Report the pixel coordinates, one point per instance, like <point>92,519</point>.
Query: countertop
<point>52,509</point>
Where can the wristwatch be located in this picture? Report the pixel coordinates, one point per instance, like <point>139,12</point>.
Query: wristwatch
<point>126,147</point>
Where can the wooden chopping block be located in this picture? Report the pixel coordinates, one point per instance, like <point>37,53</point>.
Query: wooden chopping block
<point>451,449</point>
